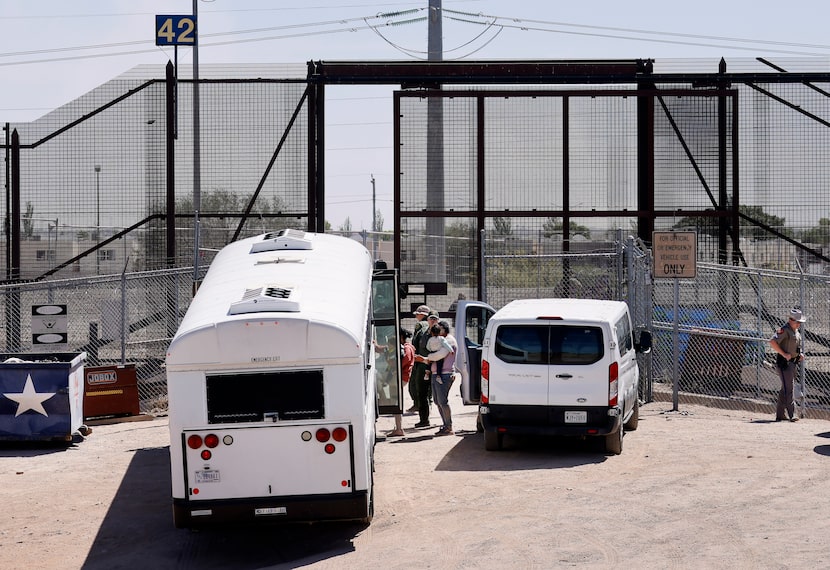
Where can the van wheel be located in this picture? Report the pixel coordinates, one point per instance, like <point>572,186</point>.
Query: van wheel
<point>634,420</point>
<point>493,440</point>
<point>614,441</point>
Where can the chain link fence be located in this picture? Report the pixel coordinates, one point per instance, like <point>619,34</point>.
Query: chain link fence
<point>722,326</point>
<point>115,319</point>
<point>618,270</point>
<point>714,348</point>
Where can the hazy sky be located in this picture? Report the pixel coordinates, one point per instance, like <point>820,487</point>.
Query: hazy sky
<point>52,51</point>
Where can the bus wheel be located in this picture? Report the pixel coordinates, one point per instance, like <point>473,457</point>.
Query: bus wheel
<point>370,507</point>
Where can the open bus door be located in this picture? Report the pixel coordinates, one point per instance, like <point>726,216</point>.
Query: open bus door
<point>386,323</point>
<point>471,318</point>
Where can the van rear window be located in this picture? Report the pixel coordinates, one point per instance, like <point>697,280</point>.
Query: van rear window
<point>542,344</point>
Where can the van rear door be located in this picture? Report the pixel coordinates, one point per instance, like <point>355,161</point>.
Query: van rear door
<point>579,363</point>
<point>471,318</point>
<point>518,361</point>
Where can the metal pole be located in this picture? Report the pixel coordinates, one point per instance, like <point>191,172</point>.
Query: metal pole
<point>676,346</point>
<point>374,222</point>
<point>197,183</point>
<point>97,217</point>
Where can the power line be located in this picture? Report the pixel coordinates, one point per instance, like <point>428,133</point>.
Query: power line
<point>492,21</point>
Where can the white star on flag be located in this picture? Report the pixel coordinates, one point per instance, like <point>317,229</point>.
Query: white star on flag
<point>29,399</point>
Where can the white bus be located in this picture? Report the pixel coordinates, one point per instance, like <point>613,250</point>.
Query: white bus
<point>273,386</point>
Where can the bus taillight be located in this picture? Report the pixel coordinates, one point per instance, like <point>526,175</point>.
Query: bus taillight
<point>211,440</point>
<point>194,441</point>
<point>322,435</point>
<point>339,434</point>
<point>329,448</point>
<point>206,454</point>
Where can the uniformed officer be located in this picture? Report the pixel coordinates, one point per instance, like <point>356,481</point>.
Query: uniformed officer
<point>786,343</point>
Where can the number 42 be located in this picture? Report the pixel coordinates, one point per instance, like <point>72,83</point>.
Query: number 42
<point>175,30</point>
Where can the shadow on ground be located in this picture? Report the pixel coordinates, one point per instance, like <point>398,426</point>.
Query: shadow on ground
<point>138,531</point>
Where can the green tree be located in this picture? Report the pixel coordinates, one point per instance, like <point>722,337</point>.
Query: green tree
<point>28,223</point>
<point>748,227</point>
<point>819,234</point>
<point>460,229</point>
<point>502,227</point>
<point>554,227</point>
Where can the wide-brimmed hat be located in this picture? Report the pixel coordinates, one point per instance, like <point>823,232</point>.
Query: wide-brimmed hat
<point>797,315</point>
<point>422,310</point>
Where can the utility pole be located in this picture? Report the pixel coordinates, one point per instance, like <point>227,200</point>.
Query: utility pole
<point>374,222</point>
<point>436,250</point>
<point>197,170</point>
<point>97,218</point>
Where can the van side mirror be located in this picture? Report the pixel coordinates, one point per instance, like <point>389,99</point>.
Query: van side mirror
<point>644,345</point>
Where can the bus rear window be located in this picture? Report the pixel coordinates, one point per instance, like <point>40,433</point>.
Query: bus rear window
<point>273,396</point>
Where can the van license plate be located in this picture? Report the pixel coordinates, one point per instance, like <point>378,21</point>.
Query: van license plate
<point>576,417</point>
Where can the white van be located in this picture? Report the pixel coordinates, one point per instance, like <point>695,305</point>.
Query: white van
<point>558,367</point>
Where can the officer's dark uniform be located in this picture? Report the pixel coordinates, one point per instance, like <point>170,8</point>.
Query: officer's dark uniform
<point>788,340</point>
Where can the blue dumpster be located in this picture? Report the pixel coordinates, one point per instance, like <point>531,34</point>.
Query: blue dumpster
<point>41,396</point>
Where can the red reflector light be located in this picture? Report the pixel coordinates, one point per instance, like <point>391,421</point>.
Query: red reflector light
<point>339,434</point>
<point>322,435</point>
<point>329,448</point>
<point>206,454</point>
<point>485,369</point>
<point>593,431</point>
<point>613,375</point>
<point>194,441</point>
<point>211,440</point>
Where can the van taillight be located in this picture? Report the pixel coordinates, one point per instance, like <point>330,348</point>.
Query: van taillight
<point>485,382</point>
<point>613,377</point>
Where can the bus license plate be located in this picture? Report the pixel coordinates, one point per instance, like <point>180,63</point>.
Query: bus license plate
<point>576,417</point>
<point>270,511</point>
<point>207,476</point>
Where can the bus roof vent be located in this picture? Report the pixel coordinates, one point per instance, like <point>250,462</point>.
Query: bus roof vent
<point>269,298</point>
<point>283,239</point>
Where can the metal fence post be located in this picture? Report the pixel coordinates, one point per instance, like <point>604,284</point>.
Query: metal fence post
<point>124,325</point>
<point>481,247</point>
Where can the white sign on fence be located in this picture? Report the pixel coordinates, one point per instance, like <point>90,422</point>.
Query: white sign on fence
<point>49,326</point>
<point>675,254</point>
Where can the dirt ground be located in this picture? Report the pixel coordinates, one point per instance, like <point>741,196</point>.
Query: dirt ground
<point>694,488</point>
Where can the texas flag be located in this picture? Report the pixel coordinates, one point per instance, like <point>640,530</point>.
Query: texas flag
<point>34,402</point>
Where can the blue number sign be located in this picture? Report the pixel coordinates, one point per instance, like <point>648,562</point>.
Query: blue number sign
<point>176,30</point>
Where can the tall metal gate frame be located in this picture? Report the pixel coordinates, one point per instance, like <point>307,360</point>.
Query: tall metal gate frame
<point>423,215</point>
